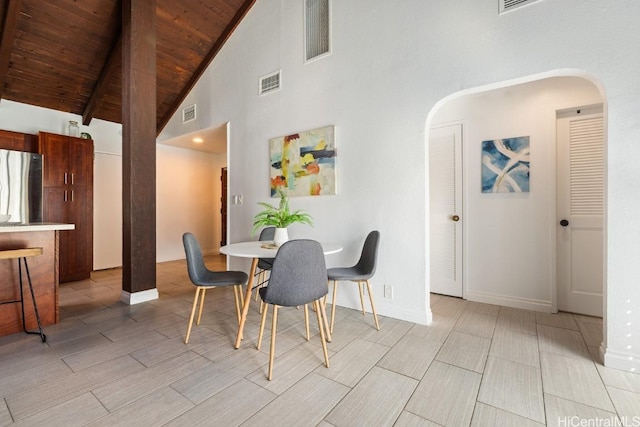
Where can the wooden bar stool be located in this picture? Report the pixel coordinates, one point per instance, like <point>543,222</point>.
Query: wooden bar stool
<point>22,255</point>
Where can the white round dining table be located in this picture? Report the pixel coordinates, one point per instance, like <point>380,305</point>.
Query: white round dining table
<point>256,250</point>
<point>266,249</point>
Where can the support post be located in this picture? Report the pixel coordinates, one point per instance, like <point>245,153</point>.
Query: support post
<point>139,149</point>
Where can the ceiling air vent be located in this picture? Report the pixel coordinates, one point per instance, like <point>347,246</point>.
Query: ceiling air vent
<point>269,83</point>
<point>508,5</point>
<point>189,113</point>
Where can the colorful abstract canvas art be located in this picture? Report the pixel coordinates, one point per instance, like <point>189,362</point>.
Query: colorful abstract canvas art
<point>505,165</point>
<point>304,163</point>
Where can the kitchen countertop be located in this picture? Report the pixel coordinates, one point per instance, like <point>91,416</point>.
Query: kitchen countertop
<point>12,227</point>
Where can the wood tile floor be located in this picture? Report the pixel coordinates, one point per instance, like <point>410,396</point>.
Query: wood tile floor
<point>108,364</point>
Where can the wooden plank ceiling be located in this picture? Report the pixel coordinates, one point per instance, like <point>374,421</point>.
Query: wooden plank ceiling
<point>66,54</point>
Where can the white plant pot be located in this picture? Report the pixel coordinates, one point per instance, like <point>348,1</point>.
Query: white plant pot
<point>280,236</point>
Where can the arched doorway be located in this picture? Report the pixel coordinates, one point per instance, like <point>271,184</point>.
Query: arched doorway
<point>509,254</point>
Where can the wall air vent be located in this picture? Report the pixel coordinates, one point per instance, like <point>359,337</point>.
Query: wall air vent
<point>508,5</point>
<point>316,28</point>
<point>269,83</point>
<point>189,113</point>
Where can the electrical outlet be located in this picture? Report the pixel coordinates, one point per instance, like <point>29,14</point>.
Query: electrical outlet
<point>388,291</point>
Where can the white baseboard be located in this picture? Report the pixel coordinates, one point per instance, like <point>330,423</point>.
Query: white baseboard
<point>509,301</point>
<point>421,318</point>
<point>619,360</point>
<point>138,297</point>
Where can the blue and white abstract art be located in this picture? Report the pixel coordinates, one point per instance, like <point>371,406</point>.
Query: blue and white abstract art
<point>505,165</point>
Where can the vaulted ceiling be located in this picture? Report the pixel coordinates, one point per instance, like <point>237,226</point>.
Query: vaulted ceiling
<point>66,54</point>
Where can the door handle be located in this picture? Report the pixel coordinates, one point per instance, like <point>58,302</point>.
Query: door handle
<point>455,218</point>
<point>564,223</point>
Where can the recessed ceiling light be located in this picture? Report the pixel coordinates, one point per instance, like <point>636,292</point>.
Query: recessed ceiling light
<point>198,140</point>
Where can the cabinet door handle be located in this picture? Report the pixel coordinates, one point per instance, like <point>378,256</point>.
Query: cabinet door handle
<point>72,195</point>
<point>65,195</point>
<point>65,177</point>
<point>72,179</point>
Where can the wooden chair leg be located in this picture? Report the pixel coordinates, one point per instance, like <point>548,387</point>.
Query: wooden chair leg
<point>260,281</point>
<point>201,304</point>
<point>333,305</point>
<point>193,313</point>
<point>306,321</point>
<point>316,303</point>
<point>361,290</point>
<point>323,314</point>
<point>237,294</point>
<point>240,296</point>
<point>264,318</point>
<point>272,351</point>
<point>373,307</point>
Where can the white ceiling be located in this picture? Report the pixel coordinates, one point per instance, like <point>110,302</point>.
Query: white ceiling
<point>214,140</point>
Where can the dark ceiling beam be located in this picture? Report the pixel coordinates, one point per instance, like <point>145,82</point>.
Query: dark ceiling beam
<point>242,11</point>
<point>9,27</point>
<point>107,75</point>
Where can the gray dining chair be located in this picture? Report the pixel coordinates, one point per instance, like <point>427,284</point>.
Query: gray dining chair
<point>204,279</point>
<point>267,234</point>
<point>298,277</point>
<point>359,273</point>
<point>264,264</point>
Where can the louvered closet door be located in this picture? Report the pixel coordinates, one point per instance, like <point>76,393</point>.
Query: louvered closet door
<point>445,210</point>
<point>580,212</point>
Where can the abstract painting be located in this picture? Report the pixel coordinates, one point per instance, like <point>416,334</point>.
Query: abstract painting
<point>505,165</point>
<point>304,163</point>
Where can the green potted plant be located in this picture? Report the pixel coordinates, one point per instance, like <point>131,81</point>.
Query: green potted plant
<point>280,217</point>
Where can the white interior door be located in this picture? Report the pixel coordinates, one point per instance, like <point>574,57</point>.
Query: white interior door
<point>580,145</point>
<point>445,209</point>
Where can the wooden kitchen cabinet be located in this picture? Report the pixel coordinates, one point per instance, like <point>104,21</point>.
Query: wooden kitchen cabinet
<point>68,198</point>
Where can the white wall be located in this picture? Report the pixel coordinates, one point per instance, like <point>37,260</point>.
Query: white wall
<point>29,119</point>
<point>190,177</point>
<point>107,211</point>
<point>510,242</point>
<point>190,184</point>
<point>187,199</point>
<point>389,66</point>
